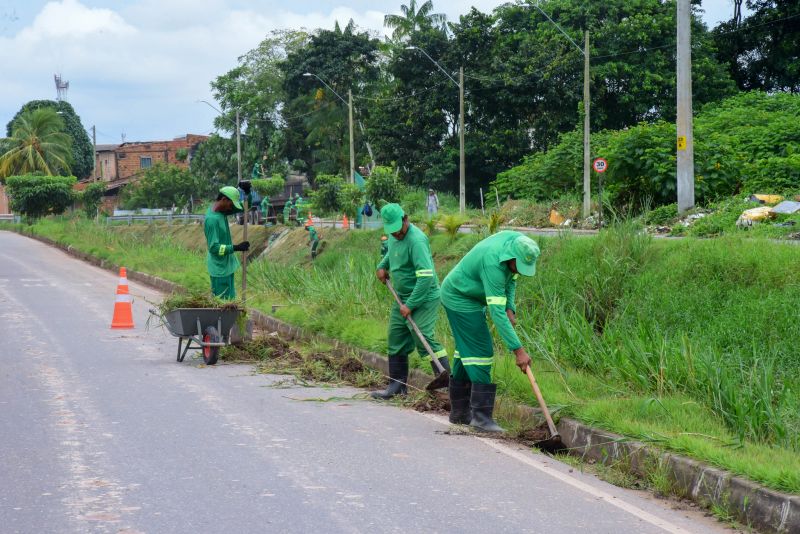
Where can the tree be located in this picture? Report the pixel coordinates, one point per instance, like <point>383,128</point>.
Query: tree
<point>316,129</point>
<point>36,144</point>
<point>163,186</point>
<point>384,185</point>
<point>91,197</point>
<point>37,196</point>
<point>414,19</point>
<point>82,159</point>
<point>763,50</point>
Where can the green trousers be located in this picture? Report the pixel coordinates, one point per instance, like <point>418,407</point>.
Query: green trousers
<point>472,361</point>
<point>402,338</point>
<point>223,287</point>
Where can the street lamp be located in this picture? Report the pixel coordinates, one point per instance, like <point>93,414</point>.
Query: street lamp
<point>349,104</point>
<point>587,191</point>
<point>246,203</point>
<point>461,157</point>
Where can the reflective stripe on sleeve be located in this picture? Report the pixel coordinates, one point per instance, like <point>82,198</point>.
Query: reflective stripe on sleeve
<point>424,272</point>
<point>497,301</point>
<point>222,250</point>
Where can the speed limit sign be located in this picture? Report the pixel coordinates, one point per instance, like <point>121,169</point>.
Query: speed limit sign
<point>600,165</point>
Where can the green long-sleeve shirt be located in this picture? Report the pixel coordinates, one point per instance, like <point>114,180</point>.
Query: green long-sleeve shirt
<point>312,235</point>
<point>220,261</point>
<point>482,279</point>
<point>410,263</point>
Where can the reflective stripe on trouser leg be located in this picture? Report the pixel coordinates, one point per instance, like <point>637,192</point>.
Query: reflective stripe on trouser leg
<point>474,350</point>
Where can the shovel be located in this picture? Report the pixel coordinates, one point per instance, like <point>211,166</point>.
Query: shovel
<point>442,380</point>
<point>553,443</point>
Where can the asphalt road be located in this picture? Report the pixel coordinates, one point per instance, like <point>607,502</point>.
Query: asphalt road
<point>103,431</point>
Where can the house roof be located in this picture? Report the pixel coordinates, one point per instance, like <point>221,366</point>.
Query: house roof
<point>106,148</point>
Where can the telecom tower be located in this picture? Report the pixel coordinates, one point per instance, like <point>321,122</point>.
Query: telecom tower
<point>61,88</point>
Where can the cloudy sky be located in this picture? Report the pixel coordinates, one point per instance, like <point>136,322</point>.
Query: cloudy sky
<point>138,67</point>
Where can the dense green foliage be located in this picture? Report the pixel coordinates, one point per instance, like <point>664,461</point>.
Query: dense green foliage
<point>81,157</point>
<point>748,143</point>
<point>384,185</point>
<point>36,196</point>
<point>268,187</point>
<point>164,186</point>
<point>326,198</point>
<point>36,144</point>
<point>91,197</point>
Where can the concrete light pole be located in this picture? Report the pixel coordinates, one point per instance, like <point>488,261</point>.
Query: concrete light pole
<point>685,141</point>
<point>349,104</point>
<point>462,165</point>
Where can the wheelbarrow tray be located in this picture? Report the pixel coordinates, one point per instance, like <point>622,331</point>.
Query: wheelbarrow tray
<point>183,321</point>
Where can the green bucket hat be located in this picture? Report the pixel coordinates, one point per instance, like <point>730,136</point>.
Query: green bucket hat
<point>392,215</point>
<point>525,251</point>
<point>233,194</point>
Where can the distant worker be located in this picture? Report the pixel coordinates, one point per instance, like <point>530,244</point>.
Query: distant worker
<point>220,261</point>
<point>384,245</point>
<point>313,240</point>
<point>266,207</point>
<point>413,276</point>
<point>485,277</point>
<point>432,203</point>
<point>300,206</point>
<point>287,211</point>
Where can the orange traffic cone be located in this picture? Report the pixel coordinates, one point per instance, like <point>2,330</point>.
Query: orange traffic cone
<point>345,223</point>
<point>123,309</point>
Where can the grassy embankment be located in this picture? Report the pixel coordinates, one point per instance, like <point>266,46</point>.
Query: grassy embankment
<point>690,344</point>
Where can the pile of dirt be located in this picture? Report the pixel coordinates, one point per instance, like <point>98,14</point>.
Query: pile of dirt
<point>433,401</point>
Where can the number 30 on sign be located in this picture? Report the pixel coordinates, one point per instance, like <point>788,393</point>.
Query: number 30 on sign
<point>600,165</point>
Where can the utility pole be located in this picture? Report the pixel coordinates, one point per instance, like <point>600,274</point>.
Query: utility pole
<point>352,146</point>
<point>246,206</point>
<point>94,159</point>
<point>461,158</point>
<point>587,185</point>
<point>685,142</point>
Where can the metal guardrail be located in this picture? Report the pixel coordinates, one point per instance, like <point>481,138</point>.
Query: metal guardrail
<point>10,217</point>
<point>150,219</point>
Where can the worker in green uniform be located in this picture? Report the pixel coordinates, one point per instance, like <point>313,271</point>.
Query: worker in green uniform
<point>266,205</point>
<point>384,245</point>
<point>300,205</point>
<point>410,264</point>
<point>287,211</point>
<point>220,261</point>
<point>313,240</point>
<point>484,278</point>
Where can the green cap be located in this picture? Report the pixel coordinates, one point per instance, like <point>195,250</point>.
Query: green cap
<point>392,215</point>
<point>233,194</point>
<point>525,251</point>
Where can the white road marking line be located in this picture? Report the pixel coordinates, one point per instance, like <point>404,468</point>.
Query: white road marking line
<point>575,483</point>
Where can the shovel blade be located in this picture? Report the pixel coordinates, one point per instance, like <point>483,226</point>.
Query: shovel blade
<point>441,381</point>
<point>553,444</point>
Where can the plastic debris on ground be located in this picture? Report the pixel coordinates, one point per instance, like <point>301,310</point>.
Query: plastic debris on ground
<point>787,207</point>
<point>770,200</point>
<point>754,216</point>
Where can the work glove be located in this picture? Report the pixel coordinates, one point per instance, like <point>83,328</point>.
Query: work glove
<point>245,186</point>
<point>244,246</point>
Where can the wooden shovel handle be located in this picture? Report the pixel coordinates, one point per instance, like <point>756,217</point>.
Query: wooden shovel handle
<point>542,405</point>
<point>427,346</point>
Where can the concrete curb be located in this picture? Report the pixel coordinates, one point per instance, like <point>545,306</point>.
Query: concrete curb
<point>762,508</point>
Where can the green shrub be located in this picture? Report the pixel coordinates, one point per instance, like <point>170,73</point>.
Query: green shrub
<point>269,187</point>
<point>773,175</point>
<point>384,186</point>
<point>90,198</point>
<point>351,199</point>
<point>36,196</point>
<point>326,197</point>
<point>662,215</point>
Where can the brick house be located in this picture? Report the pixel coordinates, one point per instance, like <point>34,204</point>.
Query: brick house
<point>105,165</point>
<point>134,158</point>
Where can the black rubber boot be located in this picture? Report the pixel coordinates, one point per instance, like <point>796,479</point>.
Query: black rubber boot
<point>482,404</point>
<point>398,375</point>
<point>460,413</point>
<point>445,363</point>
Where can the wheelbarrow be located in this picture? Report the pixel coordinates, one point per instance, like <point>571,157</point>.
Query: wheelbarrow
<point>207,329</point>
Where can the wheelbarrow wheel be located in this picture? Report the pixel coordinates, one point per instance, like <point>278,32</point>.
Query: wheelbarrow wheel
<point>210,354</point>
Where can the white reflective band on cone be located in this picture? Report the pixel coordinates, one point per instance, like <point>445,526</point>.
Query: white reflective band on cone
<point>124,298</point>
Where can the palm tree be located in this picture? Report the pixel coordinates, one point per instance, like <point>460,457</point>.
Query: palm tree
<point>37,144</point>
<point>413,19</point>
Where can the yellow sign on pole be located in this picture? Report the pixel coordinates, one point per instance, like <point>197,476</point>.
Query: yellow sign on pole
<point>681,142</point>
